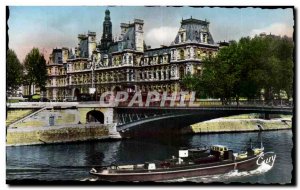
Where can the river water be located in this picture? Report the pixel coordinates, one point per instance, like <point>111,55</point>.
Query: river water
<point>73,161</point>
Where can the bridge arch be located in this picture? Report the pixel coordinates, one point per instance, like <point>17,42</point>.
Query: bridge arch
<point>157,120</point>
<point>95,116</point>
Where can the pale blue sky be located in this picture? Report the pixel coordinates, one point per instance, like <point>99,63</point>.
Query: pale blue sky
<point>54,26</point>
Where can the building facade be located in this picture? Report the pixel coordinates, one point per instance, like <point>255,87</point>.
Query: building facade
<point>126,63</point>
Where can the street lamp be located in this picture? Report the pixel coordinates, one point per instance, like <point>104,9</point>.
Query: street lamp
<point>92,89</point>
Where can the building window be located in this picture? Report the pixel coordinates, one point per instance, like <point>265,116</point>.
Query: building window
<point>181,37</point>
<point>59,60</point>
<point>204,38</point>
<point>181,54</point>
<point>198,71</point>
<point>130,59</point>
<point>198,54</point>
<point>205,53</point>
<point>181,72</point>
<point>173,55</point>
<point>197,36</point>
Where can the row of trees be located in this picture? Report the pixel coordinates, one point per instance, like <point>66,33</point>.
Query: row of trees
<point>250,68</point>
<point>32,72</point>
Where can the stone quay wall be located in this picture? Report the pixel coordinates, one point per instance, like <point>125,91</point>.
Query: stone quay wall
<point>59,134</point>
<point>238,125</point>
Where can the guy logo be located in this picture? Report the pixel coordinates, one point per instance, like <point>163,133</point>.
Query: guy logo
<point>267,158</point>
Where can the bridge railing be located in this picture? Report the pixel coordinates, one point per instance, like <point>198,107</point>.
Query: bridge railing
<point>39,104</point>
<point>198,103</point>
<point>216,103</point>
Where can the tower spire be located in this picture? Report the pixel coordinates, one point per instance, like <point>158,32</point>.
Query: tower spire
<point>106,39</point>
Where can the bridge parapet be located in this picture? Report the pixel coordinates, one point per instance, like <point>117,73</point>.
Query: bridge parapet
<point>215,103</point>
<point>56,104</point>
<point>187,104</point>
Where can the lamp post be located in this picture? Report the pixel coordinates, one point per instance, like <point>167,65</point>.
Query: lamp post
<point>93,66</point>
<point>92,89</point>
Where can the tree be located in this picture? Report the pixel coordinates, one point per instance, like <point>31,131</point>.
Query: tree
<point>191,83</point>
<point>246,68</point>
<point>42,77</point>
<point>274,72</point>
<point>285,55</point>
<point>14,71</point>
<point>36,71</point>
<point>221,74</point>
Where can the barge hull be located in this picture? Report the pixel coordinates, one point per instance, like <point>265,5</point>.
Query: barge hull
<point>178,174</point>
<point>197,171</point>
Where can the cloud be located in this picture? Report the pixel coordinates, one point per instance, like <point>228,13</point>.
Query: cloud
<point>275,28</point>
<point>44,38</point>
<point>163,35</point>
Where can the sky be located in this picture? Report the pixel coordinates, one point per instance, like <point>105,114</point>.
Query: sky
<point>48,27</point>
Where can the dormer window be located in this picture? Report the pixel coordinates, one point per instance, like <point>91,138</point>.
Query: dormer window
<point>197,36</point>
<point>205,38</point>
<point>181,36</point>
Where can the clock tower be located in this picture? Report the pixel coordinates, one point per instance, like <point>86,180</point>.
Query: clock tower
<point>139,34</point>
<point>106,39</point>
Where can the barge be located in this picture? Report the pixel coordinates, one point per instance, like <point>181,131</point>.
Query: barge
<point>218,159</point>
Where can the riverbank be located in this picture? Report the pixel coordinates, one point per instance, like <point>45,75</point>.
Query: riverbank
<point>60,134</point>
<point>239,124</point>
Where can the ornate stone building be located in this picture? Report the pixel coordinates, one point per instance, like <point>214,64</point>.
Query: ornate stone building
<point>126,63</point>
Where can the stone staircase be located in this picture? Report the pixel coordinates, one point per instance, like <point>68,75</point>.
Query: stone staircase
<point>15,115</point>
<point>34,112</point>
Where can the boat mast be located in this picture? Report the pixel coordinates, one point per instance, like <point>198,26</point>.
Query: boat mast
<point>260,137</point>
